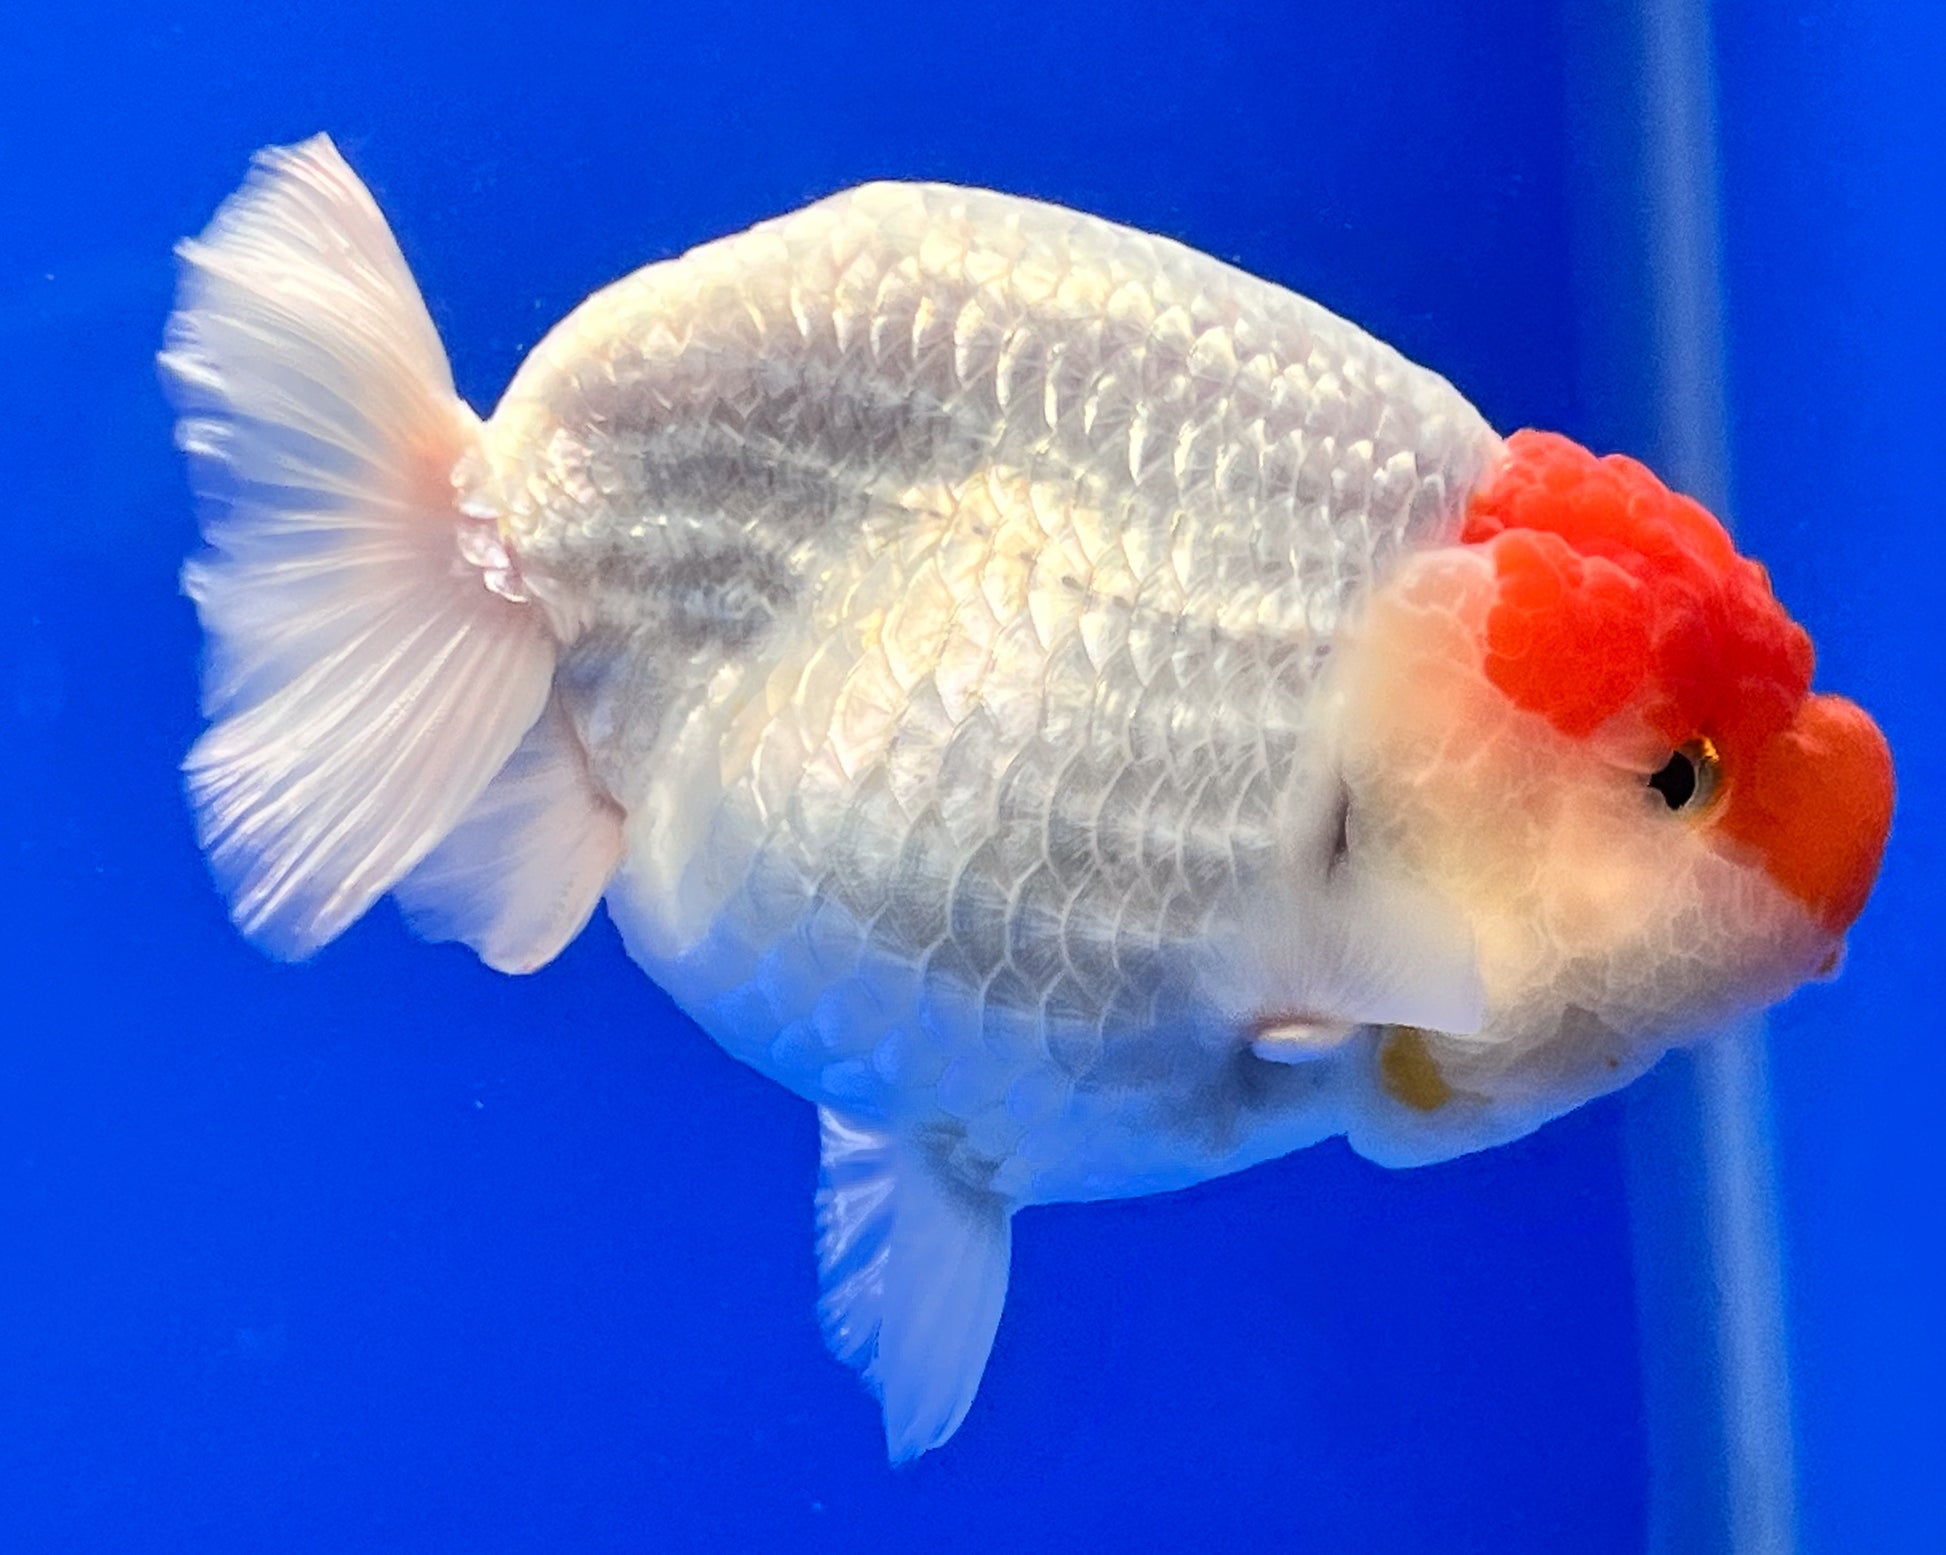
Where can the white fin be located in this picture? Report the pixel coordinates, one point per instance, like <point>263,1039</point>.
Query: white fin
<point>363,681</point>
<point>521,873</point>
<point>915,1273</point>
<point>1297,1039</point>
<point>1366,949</point>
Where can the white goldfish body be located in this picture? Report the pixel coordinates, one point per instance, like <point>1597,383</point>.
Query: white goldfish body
<point>1087,719</point>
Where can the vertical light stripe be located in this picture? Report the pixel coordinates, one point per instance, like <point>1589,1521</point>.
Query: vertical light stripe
<point>1753,1383</point>
<point>1731,1087</point>
<point>1678,161</point>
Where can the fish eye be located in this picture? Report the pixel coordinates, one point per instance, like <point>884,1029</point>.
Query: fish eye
<point>1688,779</point>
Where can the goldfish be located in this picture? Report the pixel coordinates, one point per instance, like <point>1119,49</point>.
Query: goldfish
<point>1085,718</point>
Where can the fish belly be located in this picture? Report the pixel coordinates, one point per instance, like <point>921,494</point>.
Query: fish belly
<point>946,581</point>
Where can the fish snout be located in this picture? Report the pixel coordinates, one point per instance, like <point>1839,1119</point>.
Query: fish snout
<point>1815,805</point>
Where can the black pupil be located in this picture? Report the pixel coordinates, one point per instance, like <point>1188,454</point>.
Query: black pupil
<point>1676,782</point>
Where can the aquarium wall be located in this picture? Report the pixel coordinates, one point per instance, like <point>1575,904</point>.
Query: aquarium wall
<point>387,1252</point>
<point>1833,140</point>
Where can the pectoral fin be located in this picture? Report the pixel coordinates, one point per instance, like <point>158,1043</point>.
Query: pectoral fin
<point>1367,949</point>
<point>914,1270</point>
<point>1398,954</point>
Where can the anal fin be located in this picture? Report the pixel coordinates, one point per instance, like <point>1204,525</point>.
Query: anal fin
<point>914,1271</point>
<point>520,874</point>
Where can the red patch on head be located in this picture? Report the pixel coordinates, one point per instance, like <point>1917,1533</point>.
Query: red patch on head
<point>1617,594</point>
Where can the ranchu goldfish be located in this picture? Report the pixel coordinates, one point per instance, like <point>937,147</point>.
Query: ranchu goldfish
<point>1083,717</point>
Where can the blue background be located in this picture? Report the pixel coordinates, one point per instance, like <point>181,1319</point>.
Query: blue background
<point>387,1253</point>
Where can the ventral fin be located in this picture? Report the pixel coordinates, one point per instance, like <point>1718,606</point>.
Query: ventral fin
<point>914,1274</point>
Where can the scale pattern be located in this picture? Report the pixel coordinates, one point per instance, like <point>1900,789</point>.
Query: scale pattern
<point>947,579</point>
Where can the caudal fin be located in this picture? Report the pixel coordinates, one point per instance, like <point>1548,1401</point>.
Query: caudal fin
<point>363,681</point>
